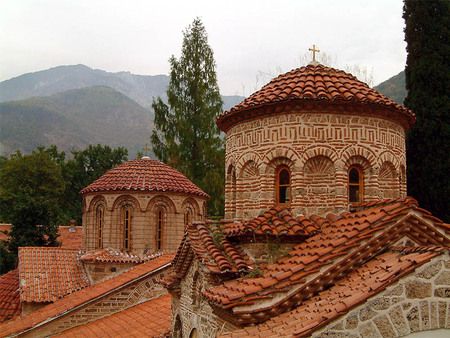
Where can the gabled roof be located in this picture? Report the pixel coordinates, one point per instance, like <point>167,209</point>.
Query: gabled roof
<point>148,319</point>
<point>346,293</point>
<point>313,84</point>
<point>144,174</point>
<point>47,274</point>
<point>76,299</point>
<point>321,260</point>
<point>10,305</point>
<point>116,256</point>
<point>277,221</point>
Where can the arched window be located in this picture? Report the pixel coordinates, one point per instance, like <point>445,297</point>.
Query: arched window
<point>283,185</point>
<point>100,217</point>
<point>355,184</point>
<point>127,228</point>
<point>187,217</point>
<point>160,218</point>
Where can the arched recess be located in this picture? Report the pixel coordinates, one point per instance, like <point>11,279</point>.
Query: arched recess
<point>95,235</point>
<point>315,151</point>
<point>281,152</point>
<point>163,223</point>
<point>249,184</point>
<point>191,211</point>
<point>124,211</point>
<point>359,151</point>
<point>178,328</point>
<point>361,173</point>
<point>230,192</point>
<point>270,182</point>
<point>388,181</point>
<point>319,174</point>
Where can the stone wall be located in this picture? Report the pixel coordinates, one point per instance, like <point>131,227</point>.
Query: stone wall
<point>99,271</point>
<point>144,207</point>
<point>418,302</point>
<point>120,299</point>
<point>192,311</point>
<point>318,148</point>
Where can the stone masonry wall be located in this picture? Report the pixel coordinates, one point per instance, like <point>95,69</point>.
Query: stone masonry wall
<point>193,310</point>
<point>144,219</point>
<point>122,298</point>
<point>418,302</point>
<point>318,148</point>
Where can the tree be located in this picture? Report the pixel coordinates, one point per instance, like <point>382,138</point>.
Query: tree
<point>186,136</point>
<point>427,82</point>
<point>30,188</point>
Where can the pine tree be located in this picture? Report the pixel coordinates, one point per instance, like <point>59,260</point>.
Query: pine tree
<point>186,136</point>
<point>427,82</point>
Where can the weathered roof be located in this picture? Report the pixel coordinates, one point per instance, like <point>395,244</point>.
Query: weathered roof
<point>47,274</point>
<point>10,305</point>
<point>116,256</point>
<point>144,174</point>
<point>148,319</point>
<point>277,221</point>
<point>72,301</point>
<point>351,290</point>
<point>313,83</point>
<point>321,260</point>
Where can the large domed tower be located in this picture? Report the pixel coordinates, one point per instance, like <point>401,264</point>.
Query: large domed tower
<point>316,140</point>
<point>140,206</point>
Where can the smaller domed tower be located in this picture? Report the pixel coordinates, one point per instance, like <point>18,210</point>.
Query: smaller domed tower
<point>140,206</point>
<point>315,140</point>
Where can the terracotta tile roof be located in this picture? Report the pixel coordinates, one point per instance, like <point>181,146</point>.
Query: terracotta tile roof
<point>47,274</point>
<point>321,259</point>
<point>70,237</point>
<point>3,228</point>
<point>351,290</point>
<point>10,305</point>
<point>116,256</point>
<point>68,303</point>
<point>201,241</point>
<point>314,83</point>
<point>144,174</point>
<point>277,221</point>
<point>148,319</point>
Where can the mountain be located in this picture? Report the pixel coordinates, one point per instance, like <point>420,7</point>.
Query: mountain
<point>140,88</point>
<point>394,88</point>
<point>73,120</point>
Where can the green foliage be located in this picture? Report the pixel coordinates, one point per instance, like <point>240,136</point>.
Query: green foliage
<point>186,136</point>
<point>427,81</point>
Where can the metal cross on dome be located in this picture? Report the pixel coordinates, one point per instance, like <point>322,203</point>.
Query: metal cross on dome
<point>146,149</point>
<point>314,50</point>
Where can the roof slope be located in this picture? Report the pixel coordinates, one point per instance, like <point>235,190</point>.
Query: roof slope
<point>348,292</point>
<point>10,305</point>
<point>144,174</point>
<point>72,301</point>
<point>340,247</point>
<point>148,319</point>
<point>47,274</point>
<point>315,83</point>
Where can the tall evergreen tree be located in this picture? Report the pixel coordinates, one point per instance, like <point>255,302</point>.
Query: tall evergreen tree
<point>427,82</point>
<point>186,136</point>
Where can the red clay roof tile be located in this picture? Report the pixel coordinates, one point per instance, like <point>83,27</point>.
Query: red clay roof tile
<point>10,305</point>
<point>47,274</point>
<point>75,299</point>
<point>314,83</point>
<point>116,256</point>
<point>144,174</point>
<point>148,319</point>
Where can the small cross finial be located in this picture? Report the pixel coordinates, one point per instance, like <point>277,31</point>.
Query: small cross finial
<point>146,149</point>
<point>314,50</point>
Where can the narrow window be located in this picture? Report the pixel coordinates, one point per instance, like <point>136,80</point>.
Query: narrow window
<point>187,217</point>
<point>127,228</point>
<point>159,229</point>
<point>100,221</point>
<point>283,185</point>
<point>355,184</point>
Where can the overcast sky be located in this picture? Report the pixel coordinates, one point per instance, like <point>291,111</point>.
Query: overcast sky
<point>248,37</point>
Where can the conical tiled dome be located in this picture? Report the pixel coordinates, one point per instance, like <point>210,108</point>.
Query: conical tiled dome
<point>312,83</point>
<point>144,174</point>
